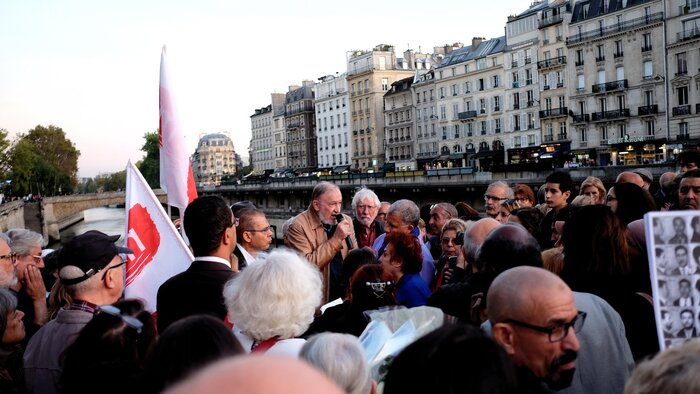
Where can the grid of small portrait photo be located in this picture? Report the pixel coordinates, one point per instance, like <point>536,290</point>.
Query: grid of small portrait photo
<point>674,257</point>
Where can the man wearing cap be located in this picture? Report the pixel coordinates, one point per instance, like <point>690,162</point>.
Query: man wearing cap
<point>92,273</point>
<point>211,228</point>
<point>646,175</point>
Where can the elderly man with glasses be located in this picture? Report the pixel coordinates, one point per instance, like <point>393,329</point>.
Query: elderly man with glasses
<point>92,271</point>
<point>254,236</point>
<point>29,287</point>
<point>496,192</point>
<point>8,272</point>
<point>365,206</point>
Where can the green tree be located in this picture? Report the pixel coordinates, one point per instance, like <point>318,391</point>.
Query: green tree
<point>4,147</point>
<point>150,164</point>
<point>111,182</point>
<point>43,161</point>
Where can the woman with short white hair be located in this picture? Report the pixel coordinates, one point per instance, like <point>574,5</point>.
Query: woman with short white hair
<point>341,358</point>
<point>273,301</point>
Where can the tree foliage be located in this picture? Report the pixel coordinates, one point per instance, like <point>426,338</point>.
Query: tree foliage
<point>150,164</point>
<point>43,161</point>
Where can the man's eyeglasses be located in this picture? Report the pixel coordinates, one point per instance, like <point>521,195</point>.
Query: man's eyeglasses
<point>37,259</point>
<point>12,257</point>
<point>366,207</point>
<point>556,332</point>
<point>493,198</point>
<point>129,320</point>
<point>112,267</point>
<point>264,230</point>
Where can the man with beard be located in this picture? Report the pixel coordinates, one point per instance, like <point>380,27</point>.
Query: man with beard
<point>688,322</point>
<point>321,239</point>
<point>365,205</point>
<point>534,318</point>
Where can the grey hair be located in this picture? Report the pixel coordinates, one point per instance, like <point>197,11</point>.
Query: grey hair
<point>8,303</point>
<point>275,296</point>
<point>341,358</point>
<point>407,210</point>
<point>22,240</point>
<point>508,189</point>
<point>75,290</point>
<point>4,237</point>
<point>322,188</point>
<point>447,207</point>
<point>365,193</point>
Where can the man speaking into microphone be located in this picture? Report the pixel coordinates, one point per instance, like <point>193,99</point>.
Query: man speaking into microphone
<point>323,239</point>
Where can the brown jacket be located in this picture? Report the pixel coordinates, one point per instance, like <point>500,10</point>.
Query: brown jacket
<point>307,236</point>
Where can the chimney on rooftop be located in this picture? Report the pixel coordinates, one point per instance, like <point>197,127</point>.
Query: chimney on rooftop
<point>476,41</point>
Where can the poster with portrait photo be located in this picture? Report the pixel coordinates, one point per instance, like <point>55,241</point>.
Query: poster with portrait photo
<point>673,246</point>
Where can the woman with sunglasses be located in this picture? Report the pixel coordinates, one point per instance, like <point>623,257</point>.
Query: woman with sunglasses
<point>108,355</point>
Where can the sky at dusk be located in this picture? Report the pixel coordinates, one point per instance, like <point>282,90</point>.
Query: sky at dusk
<point>92,67</point>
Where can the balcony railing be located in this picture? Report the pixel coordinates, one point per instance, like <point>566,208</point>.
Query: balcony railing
<point>616,28</point>
<point>600,58</point>
<point>552,20</point>
<point>648,110</point>
<point>547,63</point>
<point>610,115</point>
<point>514,64</point>
<point>466,115</point>
<point>618,54</point>
<point>610,86</point>
<point>528,60</point>
<point>554,112</point>
<point>689,34</point>
<point>646,48</point>
<point>579,63</point>
<point>681,110</point>
<point>548,138</point>
<point>582,118</point>
<point>562,137</point>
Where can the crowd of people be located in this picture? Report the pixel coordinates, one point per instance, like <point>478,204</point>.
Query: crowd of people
<point>546,290</point>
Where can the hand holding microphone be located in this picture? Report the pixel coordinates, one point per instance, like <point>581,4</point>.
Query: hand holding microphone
<point>339,218</point>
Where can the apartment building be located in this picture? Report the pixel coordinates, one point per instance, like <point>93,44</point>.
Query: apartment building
<point>553,115</point>
<point>426,142</point>
<point>332,126</point>
<point>279,130</point>
<point>301,128</point>
<point>470,107</point>
<point>683,77</point>
<point>400,125</point>
<point>522,88</point>
<point>261,153</point>
<point>619,101</point>
<point>213,159</point>
<point>369,76</point>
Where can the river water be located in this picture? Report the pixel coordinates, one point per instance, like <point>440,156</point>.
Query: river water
<point>107,220</point>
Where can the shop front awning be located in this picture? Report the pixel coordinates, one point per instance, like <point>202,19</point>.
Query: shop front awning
<point>341,169</point>
<point>456,156</point>
<point>486,154</point>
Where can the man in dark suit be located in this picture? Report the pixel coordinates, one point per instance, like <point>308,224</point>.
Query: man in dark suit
<point>684,266</point>
<point>685,299</point>
<point>688,323</point>
<point>211,228</point>
<point>254,236</point>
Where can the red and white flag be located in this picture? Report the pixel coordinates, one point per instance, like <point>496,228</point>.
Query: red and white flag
<point>159,250</point>
<point>175,168</point>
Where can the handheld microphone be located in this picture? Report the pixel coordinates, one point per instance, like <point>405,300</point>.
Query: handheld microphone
<point>339,218</point>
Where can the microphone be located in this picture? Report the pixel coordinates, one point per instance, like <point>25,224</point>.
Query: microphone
<point>339,218</point>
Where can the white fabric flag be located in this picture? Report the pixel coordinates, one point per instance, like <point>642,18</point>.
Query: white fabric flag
<point>176,176</point>
<point>159,250</point>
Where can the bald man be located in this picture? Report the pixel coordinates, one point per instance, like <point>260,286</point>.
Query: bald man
<point>258,374</point>
<point>664,196</point>
<point>534,318</point>
<point>630,177</point>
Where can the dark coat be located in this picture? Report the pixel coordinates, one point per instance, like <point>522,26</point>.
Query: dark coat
<point>197,290</point>
<point>378,230</point>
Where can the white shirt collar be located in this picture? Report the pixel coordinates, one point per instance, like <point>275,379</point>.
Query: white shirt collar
<point>213,259</point>
<point>248,257</point>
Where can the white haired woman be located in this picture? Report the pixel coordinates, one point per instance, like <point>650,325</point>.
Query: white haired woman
<point>273,301</point>
<point>341,358</point>
<point>12,333</point>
